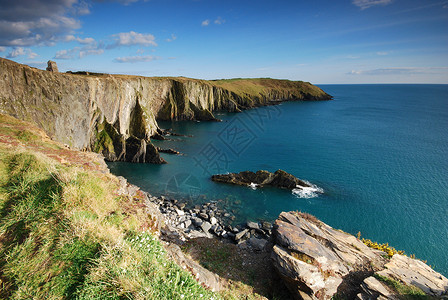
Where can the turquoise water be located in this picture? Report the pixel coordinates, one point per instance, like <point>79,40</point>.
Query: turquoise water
<point>379,152</point>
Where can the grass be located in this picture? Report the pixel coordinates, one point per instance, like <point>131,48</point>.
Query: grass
<point>65,234</point>
<point>256,87</point>
<point>405,291</point>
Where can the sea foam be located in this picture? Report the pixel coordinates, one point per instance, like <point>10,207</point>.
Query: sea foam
<point>307,192</point>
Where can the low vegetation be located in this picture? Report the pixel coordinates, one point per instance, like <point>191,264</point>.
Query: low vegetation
<point>403,290</point>
<point>66,234</point>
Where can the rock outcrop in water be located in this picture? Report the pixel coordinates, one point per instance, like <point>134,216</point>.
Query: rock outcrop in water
<point>316,261</point>
<point>116,115</point>
<point>280,179</point>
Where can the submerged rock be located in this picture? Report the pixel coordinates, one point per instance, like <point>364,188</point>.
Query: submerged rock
<point>280,179</point>
<point>317,262</point>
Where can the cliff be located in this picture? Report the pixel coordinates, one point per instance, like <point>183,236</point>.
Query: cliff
<point>116,115</point>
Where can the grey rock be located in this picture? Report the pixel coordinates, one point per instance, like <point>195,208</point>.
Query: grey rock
<point>193,234</point>
<point>253,225</point>
<point>266,226</point>
<point>241,234</point>
<point>258,244</point>
<point>213,220</point>
<point>197,222</point>
<point>187,223</point>
<point>372,287</point>
<point>206,226</point>
<point>231,235</point>
<point>204,216</point>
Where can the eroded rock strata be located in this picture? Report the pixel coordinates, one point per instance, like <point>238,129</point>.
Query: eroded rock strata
<point>318,262</point>
<point>116,115</point>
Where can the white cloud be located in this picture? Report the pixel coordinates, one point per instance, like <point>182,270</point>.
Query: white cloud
<point>88,40</point>
<point>364,4</point>
<point>32,55</point>
<point>382,53</point>
<point>16,52</point>
<point>67,54</point>
<point>2,49</point>
<point>83,53</point>
<point>134,59</point>
<point>132,38</point>
<point>172,38</point>
<point>19,51</point>
<point>400,71</point>
<point>33,22</point>
<point>219,21</point>
<point>81,9</point>
<point>79,52</point>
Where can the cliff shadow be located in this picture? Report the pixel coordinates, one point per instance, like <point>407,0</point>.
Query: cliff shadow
<point>245,271</point>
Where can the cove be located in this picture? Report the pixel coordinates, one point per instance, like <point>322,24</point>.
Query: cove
<point>377,151</point>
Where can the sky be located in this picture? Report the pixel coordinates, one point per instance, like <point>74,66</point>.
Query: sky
<point>320,41</point>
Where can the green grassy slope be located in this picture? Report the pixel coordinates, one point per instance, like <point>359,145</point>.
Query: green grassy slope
<point>66,234</point>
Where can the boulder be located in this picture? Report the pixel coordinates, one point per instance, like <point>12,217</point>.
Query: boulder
<point>205,226</point>
<point>241,234</point>
<point>316,261</point>
<point>253,225</point>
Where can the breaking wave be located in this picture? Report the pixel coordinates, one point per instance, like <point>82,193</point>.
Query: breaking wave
<point>307,191</point>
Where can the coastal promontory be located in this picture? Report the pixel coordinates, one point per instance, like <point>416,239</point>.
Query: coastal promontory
<point>116,115</point>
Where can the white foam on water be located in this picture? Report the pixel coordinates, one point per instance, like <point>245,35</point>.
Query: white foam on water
<point>253,185</point>
<point>307,191</point>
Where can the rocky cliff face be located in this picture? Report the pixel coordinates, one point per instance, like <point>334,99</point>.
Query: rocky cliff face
<point>116,115</point>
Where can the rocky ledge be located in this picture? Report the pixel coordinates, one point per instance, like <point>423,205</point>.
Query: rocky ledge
<point>262,178</point>
<point>318,262</point>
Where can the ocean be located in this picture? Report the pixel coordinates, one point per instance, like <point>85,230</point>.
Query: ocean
<point>379,154</point>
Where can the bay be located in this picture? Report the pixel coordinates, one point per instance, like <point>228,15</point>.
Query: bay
<point>379,152</point>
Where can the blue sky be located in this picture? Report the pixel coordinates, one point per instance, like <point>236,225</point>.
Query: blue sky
<point>321,41</point>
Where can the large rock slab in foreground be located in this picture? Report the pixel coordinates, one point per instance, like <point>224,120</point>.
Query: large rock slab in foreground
<point>262,178</point>
<point>317,262</point>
